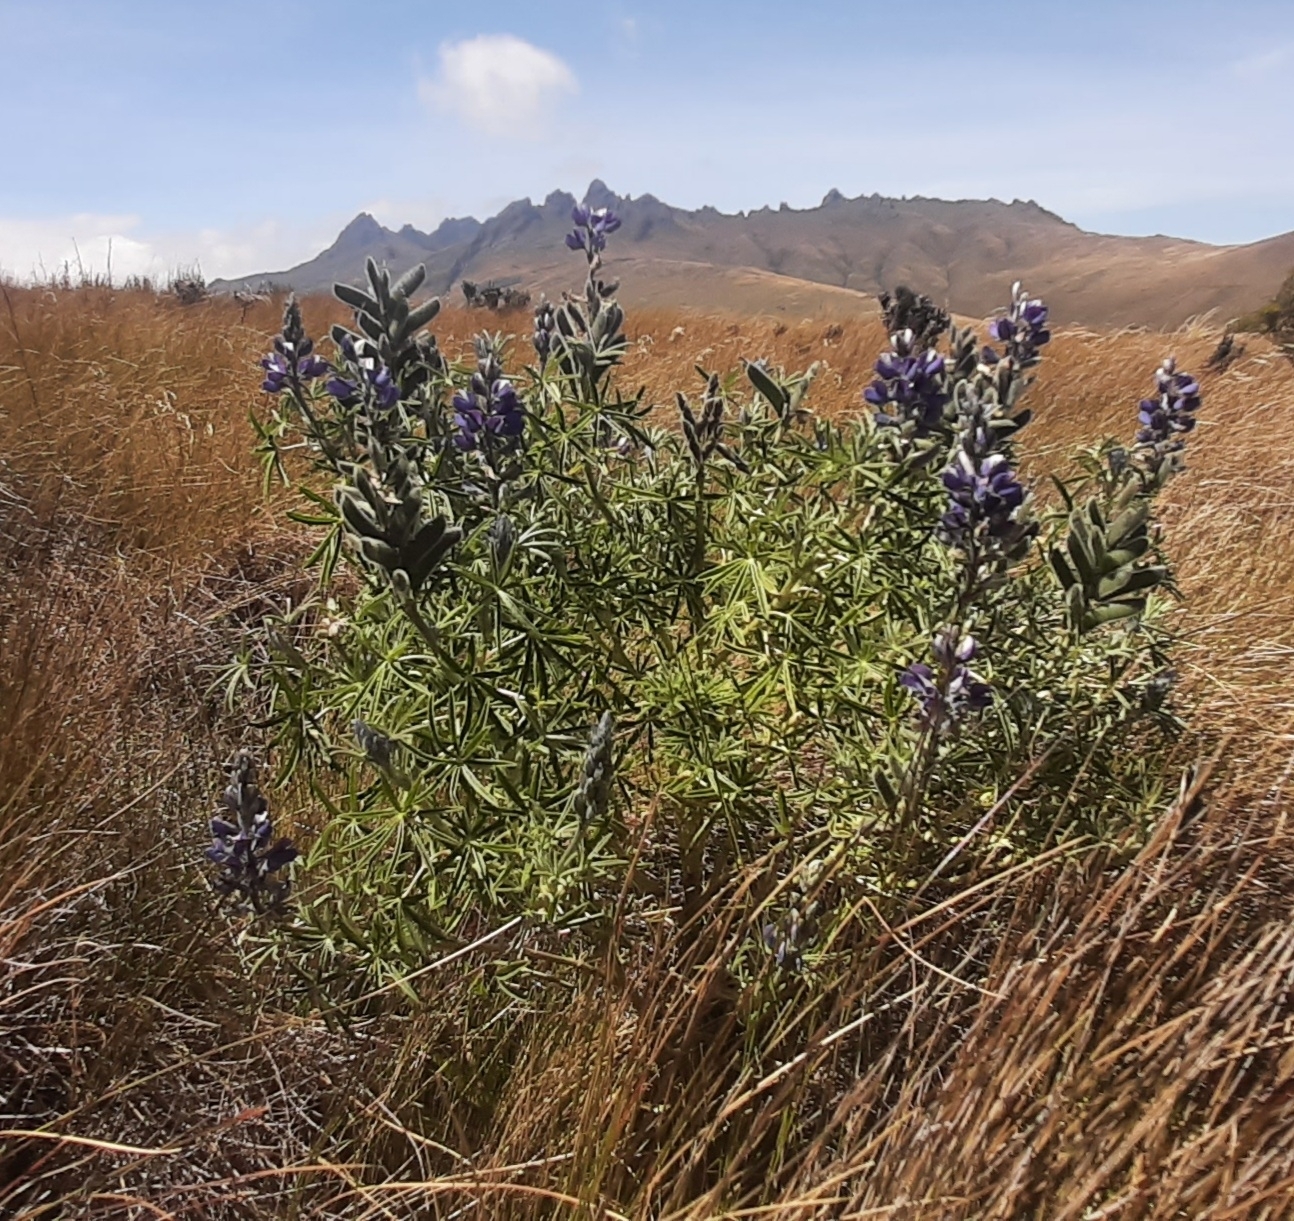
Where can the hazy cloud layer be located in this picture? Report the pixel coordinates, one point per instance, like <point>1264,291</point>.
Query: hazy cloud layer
<point>122,246</point>
<point>84,241</point>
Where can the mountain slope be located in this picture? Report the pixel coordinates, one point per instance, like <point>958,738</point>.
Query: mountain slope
<point>963,253</point>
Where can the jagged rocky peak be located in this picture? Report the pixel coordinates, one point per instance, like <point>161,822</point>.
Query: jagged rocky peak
<point>1032,205</point>
<point>518,207</point>
<point>599,195</point>
<point>560,202</point>
<point>452,230</point>
<point>651,206</point>
<point>513,220</point>
<point>832,197</point>
<point>363,229</point>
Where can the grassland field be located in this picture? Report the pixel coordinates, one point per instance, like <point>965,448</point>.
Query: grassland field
<point>1128,1053</point>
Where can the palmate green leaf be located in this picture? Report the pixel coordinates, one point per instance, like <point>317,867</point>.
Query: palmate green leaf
<point>1111,612</point>
<point>379,280</point>
<point>1064,574</point>
<point>1127,582</point>
<point>267,446</point>
<point>1065,494</point>
<point>1129,524</point>
<point>1129,551</point>
<point>380,554</point>
<point>420,316</point>
<point>311,519</point>
<point>428,550</point>
<point>1094,546</point>
<point>355,298</point>
<point>777,397</point>
<point>410,282</point>
<point>482,790</point>
<point>357,515</point>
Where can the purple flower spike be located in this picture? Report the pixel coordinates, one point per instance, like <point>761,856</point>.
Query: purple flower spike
<point>1165,421</point>
<point>967,691</point>
<point>312,367</point>
<point>545,327</point>
<point>912,382</point>
<point>469,419</point>
<point>276,374</point>
<point>375,384</point>
<point>592,226</point>
<point>947,693</point>
<point>1023,330</point>
<point>984,494</point>
<point>345,392</point>
<point>241,844</point>
<point>494,410</point>
<point>949,648</point>
<point>386,393</point>
<point>919,679</point>
<point>285,367</point>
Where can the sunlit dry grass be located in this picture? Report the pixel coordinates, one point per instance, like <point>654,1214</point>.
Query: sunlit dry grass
<point>1089,1037</point>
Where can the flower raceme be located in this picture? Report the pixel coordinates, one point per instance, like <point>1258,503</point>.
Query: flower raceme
<point>373,381</point>
<point>984,493</point>
<point>1106,564</point>
<point>242,851</point>
<point>1022,331</point>
<point>982,519</point>
<point>954,689</point>
<point>287,362</point>
<point>905,310</point>
<point>1165,421</point>
<point>545,326</point>
<point>244,846</point>
<point>592,225</point>
<point>911,381</point>
<point>489,409</point>
<point>385,393</point>
<point>293,360</point>
<point>494,409</point>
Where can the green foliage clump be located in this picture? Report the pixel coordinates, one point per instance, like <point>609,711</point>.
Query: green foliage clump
<point>1274,318</point>
<point>599,657</point>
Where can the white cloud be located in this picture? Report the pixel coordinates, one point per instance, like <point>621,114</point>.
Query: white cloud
<point>83,241</point>
<point>499,84</point>
<point>96,244</point>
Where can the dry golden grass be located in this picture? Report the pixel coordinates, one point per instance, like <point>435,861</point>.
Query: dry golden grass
<point>1089,1037</point>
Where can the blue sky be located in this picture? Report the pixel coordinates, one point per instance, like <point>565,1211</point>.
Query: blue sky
<point>241,134</point>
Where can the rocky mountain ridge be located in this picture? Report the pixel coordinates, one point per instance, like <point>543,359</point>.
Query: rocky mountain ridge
<point>830,258</point>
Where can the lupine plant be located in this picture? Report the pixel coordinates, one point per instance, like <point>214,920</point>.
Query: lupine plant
<point>599,653</point>
<point>1106,562</point>
<point>244,846</point>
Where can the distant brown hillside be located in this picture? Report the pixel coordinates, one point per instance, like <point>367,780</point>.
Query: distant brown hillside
<point>823,260</point>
